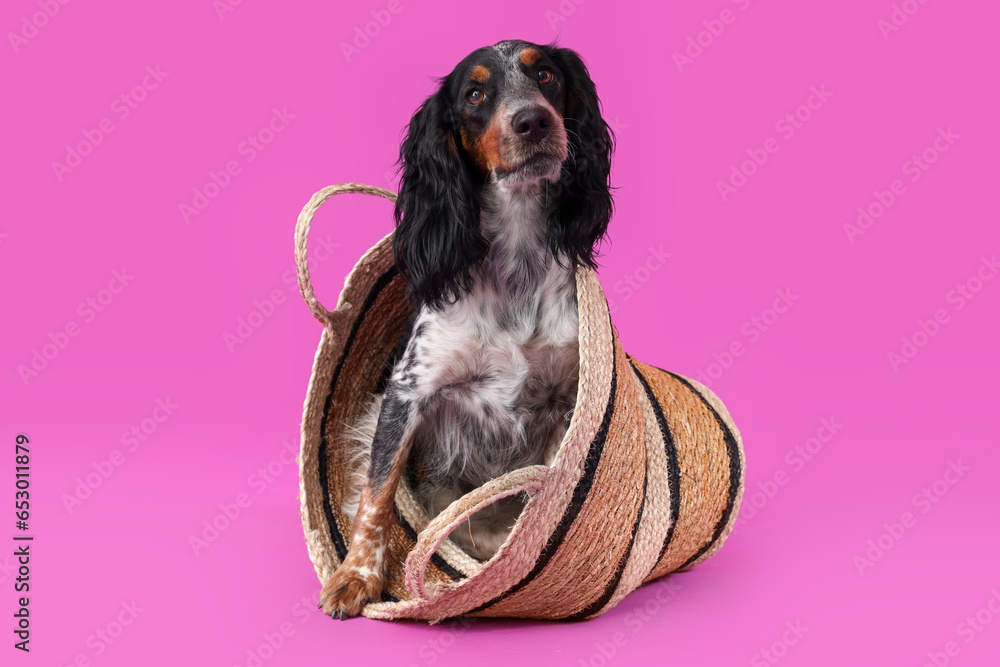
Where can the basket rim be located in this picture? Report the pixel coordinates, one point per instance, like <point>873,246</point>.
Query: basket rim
<point>555,488</point>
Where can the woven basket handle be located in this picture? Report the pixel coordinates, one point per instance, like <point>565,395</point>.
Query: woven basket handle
<point>302,237</point>
<point>527,479</point>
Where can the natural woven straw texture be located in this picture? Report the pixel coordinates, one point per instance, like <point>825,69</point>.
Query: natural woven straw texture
<point>648,478</point>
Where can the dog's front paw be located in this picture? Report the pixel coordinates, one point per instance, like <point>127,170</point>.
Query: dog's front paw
<point>348,590</point>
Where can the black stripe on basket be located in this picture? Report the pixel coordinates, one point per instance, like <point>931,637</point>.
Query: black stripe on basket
<point>579,494</point>
<point>673,469</point>
<point>324,460</point>
<point>609,590</point>
<point>323,456</point>
<point>735,472</point>
<point>444,565</point>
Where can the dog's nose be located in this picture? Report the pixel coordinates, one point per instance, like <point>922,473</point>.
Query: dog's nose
<point>532,124</point>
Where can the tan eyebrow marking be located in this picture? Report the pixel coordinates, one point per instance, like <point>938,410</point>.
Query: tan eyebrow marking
<point>529,56</point>
<point>480,74</point>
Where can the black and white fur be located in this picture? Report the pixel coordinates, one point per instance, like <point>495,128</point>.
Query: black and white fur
<point>503,193</point>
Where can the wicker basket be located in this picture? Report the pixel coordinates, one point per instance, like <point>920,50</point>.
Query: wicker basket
<point>648,478</point>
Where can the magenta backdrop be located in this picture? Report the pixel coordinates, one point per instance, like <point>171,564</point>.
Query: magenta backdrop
<point>805,220</point>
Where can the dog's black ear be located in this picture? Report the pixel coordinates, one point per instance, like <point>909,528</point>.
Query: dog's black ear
<point>581,216</point>
<point>437,239</point>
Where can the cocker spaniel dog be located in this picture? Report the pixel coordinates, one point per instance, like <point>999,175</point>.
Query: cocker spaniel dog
<point>504,192</point>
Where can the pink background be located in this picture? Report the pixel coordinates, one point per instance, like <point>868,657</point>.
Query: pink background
<point>797,559</point>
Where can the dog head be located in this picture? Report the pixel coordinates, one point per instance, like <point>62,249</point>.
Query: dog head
<point>516,116</point>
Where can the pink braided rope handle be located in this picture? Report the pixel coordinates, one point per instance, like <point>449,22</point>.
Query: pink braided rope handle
<point>528,479</point>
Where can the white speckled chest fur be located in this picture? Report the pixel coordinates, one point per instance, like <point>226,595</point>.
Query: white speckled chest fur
<point>494,374</point>
<point>504,193</point>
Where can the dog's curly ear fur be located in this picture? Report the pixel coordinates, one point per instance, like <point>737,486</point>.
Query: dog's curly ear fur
<point>437,239</point>
<point>581,217</point>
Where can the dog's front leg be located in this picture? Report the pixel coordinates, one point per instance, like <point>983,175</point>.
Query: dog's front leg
<point>360,577</point>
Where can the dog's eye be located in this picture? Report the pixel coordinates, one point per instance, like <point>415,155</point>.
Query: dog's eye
<point>476,96</point>
<point>545,76</point>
